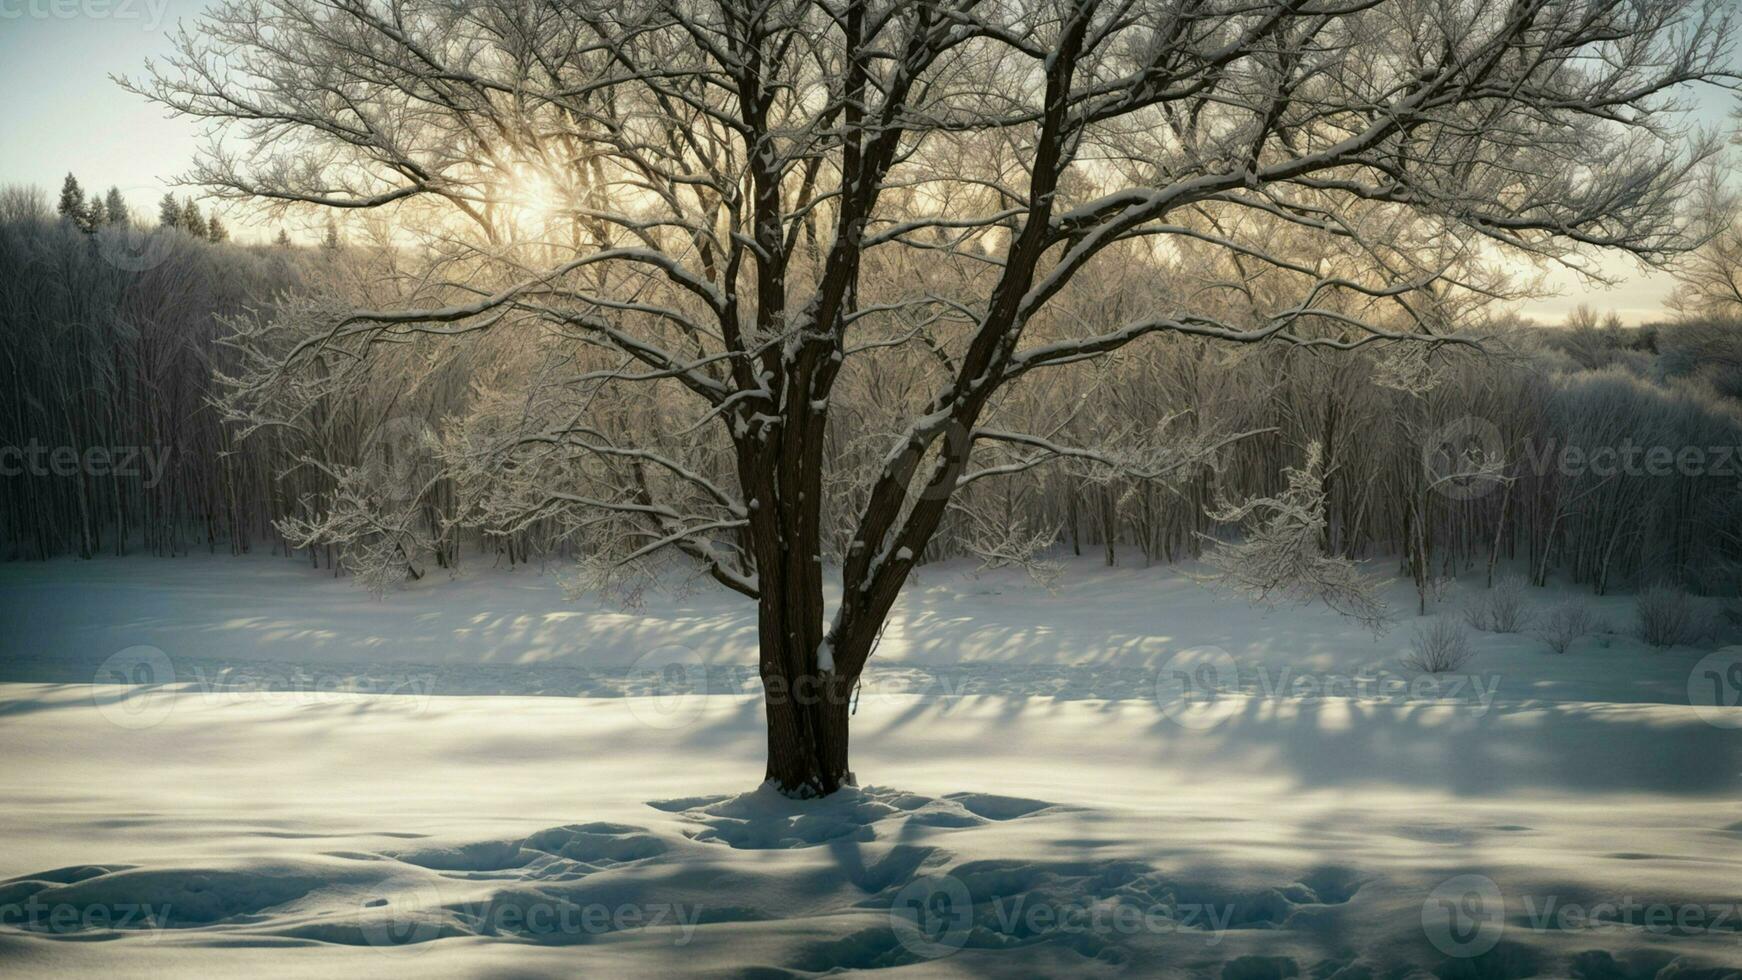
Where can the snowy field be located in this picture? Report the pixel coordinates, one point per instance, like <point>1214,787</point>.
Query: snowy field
<point>480,777</point>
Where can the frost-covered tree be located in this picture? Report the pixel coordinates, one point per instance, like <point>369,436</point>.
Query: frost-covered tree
<point>72,200</point>
<point>1280,554</point>
<point>116,207</point>
<point>169,212</point>
<point>1709,278</point>
<point>192,221</point>
<point>712,216</point>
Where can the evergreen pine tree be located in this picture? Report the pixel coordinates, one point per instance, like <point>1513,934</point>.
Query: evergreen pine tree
<point>96,215</point>
<point>192,221</point>
<point>332,239</point>
<point>119,213</point>
<point>283,240</point>
<point>169,212</point>
<point>215,230</point>
<point>72,200</point>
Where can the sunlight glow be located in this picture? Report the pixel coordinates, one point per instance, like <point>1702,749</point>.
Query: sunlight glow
<point>533,191</point>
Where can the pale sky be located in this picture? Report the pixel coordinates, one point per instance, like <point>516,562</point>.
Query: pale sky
<point>62,113</point>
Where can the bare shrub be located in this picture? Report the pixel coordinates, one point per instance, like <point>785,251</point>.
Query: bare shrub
<point>1501,609</point>
<point>1669,617</point>
<point>1566,623</point>
<point>1440,646</point>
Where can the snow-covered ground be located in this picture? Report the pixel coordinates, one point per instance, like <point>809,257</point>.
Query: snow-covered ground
<point>478,777</point>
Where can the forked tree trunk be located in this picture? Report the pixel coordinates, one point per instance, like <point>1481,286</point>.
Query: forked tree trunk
<point>807,730</point>
<point>806,705</point>
<point>782,476</point>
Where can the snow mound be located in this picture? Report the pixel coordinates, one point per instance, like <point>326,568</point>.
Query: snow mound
<point>765,819</point>
<point>141,898</point>
<point>994,807</point>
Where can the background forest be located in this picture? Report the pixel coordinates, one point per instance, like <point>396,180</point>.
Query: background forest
<point>1602,454</point>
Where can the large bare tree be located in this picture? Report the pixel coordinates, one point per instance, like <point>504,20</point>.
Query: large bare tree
<point>741,201</point>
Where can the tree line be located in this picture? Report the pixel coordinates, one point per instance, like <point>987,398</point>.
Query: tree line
<point>91,212</point>
<point>111,335</point>
<point>101,355</point>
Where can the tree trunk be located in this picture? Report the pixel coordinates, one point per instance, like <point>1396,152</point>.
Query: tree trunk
<point>1109,526</point>
<point>805,700</point>
<point>807,729</point>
